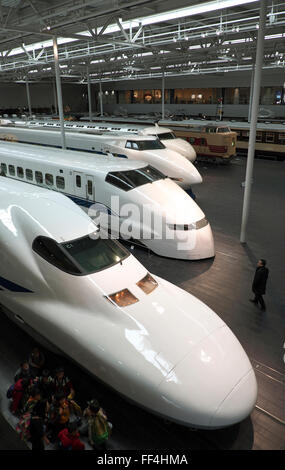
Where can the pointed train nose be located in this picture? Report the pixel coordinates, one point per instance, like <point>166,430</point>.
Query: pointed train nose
<point>238,404</point>
<point>214,386</point>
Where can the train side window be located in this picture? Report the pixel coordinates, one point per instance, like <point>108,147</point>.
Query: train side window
<point>269,137</point>
<point>49,179</point>
<point>60,183</point>
<point>89,187</point>
<point>192,140</point>
<point>39,177</point>
<point>12,170</point>
<point>4,168</point>
<point>20,172</point>
<point>258,136</point>
<point>203,141</point>
<point>78,181</point>
<point>281,138</point>
<point>29,174</point>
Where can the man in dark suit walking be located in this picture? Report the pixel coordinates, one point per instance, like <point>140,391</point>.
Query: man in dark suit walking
<point>259,283</point>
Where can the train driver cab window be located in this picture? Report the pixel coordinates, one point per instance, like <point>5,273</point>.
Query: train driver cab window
<point>89,187</point>
<point>222,130</point>
<point>11,170</point>
<point>20,172</point>
<point>81,256</point>
<point>152,144</point>
<point>39,177</point>
<point>51,251</point>
<point>60,183</point>
<point>29,174</point>
<point>166,136</point>
<point>49,179</point>
<point>3,168</point>
<point>132,179</point>
<point>78,181</point>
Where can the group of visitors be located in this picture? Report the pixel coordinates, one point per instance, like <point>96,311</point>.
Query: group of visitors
<point>47,412</point>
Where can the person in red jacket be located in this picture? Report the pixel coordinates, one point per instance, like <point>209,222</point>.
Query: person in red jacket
<point>20,388</point>
<point>69,438</point>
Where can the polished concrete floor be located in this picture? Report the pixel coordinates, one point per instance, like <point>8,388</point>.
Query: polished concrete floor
<point>223,283</point>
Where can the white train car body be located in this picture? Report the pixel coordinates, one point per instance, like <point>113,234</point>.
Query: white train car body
<point>145,148</point>
<point>96,303</point>
<point>88,180</point>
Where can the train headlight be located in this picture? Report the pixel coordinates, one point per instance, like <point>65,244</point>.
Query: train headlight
<point>123,298</point>
<point>147,284</point>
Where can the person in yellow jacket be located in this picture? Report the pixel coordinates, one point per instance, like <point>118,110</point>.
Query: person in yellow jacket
<point>99,428</point>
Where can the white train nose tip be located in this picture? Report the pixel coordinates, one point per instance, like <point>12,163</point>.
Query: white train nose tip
<point>214,386</point>
<point>238,404</point>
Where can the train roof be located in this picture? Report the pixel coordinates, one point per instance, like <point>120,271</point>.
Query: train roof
<point>99,128</point>
<point>90,129</point>
<point>69,159</point>
<point>54,214</point>
<point>269,126</point>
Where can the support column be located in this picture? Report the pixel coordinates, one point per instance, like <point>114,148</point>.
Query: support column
<point>54,97</point>
<point>162,96</point>
<point>254,115</point>
<point>101,98</point>
<point>251,93</point>
<point>59,92</point>
<point>89,95</point>
<point>29,98</point>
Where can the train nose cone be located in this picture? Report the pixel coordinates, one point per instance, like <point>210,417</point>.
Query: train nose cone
<point>214,386</point>
<point>238,404</point>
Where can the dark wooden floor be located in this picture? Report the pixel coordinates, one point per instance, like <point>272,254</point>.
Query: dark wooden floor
<point>223,283</point>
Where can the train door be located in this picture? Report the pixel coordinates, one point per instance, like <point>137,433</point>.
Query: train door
<point>84,186</point>
<point>79,184</point>
<point>90,188</point>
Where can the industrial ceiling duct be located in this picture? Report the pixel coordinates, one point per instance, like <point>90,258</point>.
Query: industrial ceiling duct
<point>10,3</point>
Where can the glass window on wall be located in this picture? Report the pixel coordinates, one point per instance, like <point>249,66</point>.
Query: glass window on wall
<point>109,97</point>
<point>124,97</point>
<point>148,96</point>
<point>194,96</point>
<point>244,95</point>
<point>271,95</point>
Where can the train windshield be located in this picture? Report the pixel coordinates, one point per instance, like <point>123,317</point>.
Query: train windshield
<point>132,179</point>
<point>222,130</point>
<point>82,256</point>
<point>144,144</point>
<point>167,136</point>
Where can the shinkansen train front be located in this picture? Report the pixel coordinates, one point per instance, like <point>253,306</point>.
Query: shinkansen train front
<point>169,139</point>
<point>151,150</point>
<point>94,301</point>
<point>157,212</point>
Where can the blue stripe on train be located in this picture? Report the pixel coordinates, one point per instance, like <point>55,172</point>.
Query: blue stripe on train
<point>84,202</point>
<point>12,286</point>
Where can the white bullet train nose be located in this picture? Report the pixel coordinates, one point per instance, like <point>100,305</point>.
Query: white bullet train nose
<point>192,245</point>
<point>214,386</point>
<point>175,166</point>
<point>181,146</point>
